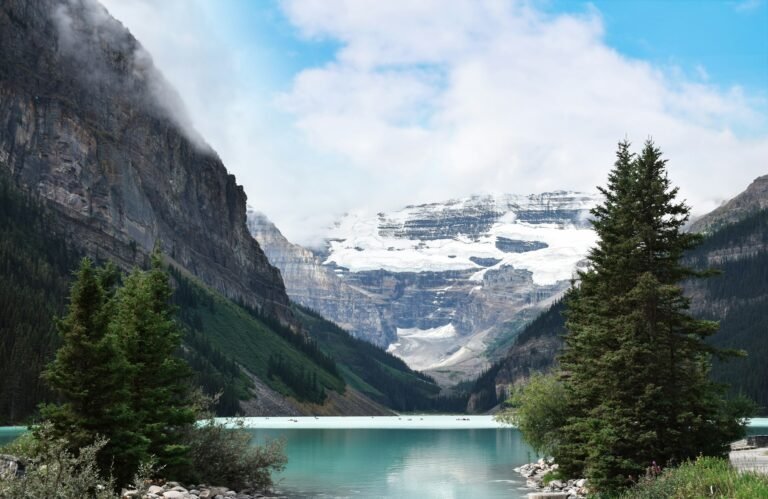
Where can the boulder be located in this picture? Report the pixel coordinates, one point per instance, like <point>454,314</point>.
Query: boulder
<point>11,466</point>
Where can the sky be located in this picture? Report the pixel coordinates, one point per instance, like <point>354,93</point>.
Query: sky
<point>320,107</point>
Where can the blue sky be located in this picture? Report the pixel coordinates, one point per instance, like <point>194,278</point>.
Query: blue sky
<point>727,39</point>
<point>322,107</point>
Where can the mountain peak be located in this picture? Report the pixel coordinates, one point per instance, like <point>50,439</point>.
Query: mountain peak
<point>754,198</point>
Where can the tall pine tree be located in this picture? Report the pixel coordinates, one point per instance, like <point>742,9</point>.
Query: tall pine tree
<point>636,365</point>
<point>89,374</point>
<point>159,380</point>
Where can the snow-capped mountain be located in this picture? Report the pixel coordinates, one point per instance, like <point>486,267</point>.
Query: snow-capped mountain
<point>452,281</point>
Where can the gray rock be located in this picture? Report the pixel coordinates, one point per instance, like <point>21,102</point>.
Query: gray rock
<point>174,494</point>
<point>155,489</point>
<point>118,168</point>
<point>11,466</point>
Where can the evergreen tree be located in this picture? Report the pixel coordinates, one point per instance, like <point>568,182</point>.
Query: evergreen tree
<point>635,364</point>
<point>89,374</point>
<point>159,388</point>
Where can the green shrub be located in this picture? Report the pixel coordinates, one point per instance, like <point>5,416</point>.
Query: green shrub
<point>551,476</point>
<point>54,472</point>
<point>704,477</point>
<point>538,410</point>
<point>222,455</point>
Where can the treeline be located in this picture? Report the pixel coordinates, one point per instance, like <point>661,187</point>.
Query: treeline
<point>365,347</point>
<point>302,382</point>
<point>301,342</point>
<point>484,389</point>
<point>287,361</point>
<point>379,374</point>
<point>738,297</point>
<point>215,373</point>
<point>35,267</point>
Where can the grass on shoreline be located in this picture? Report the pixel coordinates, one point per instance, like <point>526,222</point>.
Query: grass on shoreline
<point>704,477</point>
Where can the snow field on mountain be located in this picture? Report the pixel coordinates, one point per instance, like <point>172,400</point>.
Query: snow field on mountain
<point>356,244</point>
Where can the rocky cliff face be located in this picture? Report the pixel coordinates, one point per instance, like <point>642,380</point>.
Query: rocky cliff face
<point>313,285</point>
<point>88,123</point>
<point>754,198</point>
<point>444,286</point>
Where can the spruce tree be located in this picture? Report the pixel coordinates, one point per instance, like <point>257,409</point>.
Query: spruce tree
<point>89,375</point>
<point>635,365</point>
<point>159,380</point>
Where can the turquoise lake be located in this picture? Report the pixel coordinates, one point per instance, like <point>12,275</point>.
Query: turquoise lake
<point>406,457</point>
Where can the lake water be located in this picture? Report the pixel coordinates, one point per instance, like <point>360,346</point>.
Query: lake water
<point>397,457</point>
<point>415,456</point>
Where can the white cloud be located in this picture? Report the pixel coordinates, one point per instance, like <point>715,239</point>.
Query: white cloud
<point>508,99</point>
<point>428,99</point>
<point>748,5</point>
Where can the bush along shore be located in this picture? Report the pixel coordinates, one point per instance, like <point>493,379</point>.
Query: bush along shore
<point>544,476</point>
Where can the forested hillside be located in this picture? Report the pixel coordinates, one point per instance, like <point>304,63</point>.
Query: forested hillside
<point>737,297</point>
<point>36,267</point>
<point>376,373</point>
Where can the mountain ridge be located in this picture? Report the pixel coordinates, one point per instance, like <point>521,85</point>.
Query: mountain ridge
<point>87,126</point>
<point>447,284</point>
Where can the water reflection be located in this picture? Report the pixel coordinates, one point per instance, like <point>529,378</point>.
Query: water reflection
<point>402,463</point>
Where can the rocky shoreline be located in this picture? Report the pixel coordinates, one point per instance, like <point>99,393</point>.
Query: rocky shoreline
<point>174,490</point>
<point>534,475</point>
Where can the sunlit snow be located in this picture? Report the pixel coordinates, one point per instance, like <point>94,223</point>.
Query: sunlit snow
<point>357,243</point>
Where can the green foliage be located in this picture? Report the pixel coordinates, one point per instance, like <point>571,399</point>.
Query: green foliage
<point>539,410</point>
<point>54,471</point>
<point>636,365</point>
<point>90,373</point>
<point>484,389</point>
<point>298,379</point>
<point>225,455</point>
<point>35,265</point>
<point>704,477</point>
<point>249,339</point>
<point>552,475</point>
<point>116,374</point>
<point>380,375</point>
<point>738,296</point>
<point>215,372</point>
<point>159,392</point>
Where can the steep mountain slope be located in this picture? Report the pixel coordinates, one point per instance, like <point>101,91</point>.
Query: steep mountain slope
<point>315,286</point>
<point>377,374</point>
<point>754,198</point>
<point>229,346</point>
<point>89,124</point>
<point>92,135</point>
<point>737,246</point>
<point>451,282</point>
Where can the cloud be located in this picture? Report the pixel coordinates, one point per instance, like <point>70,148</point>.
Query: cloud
<point>89,36</point>
<point>491,95</point>
<point>748,5</point>
<point>427,100</point>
